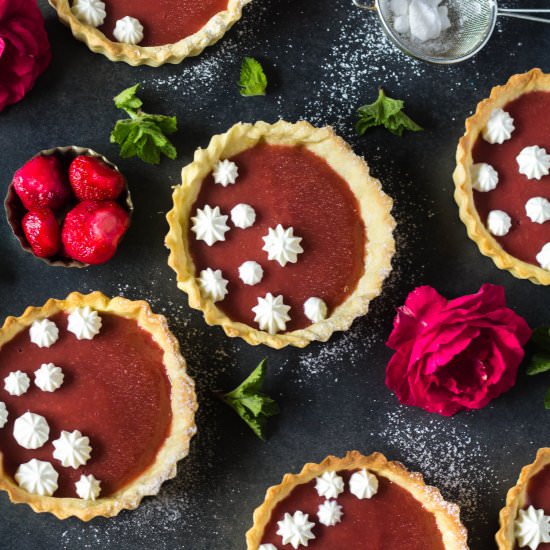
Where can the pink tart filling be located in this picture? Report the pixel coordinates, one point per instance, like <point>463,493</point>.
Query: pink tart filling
<point>532,127</point>
<point>115,391</point>
<point>293,187</point>
<point>164,21</point>
<point>538,495</point>
<point>391,519</point>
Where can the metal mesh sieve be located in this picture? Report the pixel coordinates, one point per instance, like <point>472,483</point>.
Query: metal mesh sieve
<point>472,23</point>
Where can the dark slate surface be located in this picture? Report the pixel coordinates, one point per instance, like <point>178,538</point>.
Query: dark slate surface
<point>323,59</point>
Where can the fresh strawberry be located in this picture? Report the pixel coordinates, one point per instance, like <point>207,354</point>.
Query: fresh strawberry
<point>43,232</point>
<point>41,183</point>
<point>91,179</point>
<point>92,230</point>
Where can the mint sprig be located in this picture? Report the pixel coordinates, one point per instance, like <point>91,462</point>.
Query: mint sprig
<point>142,135</point>
<point>250,404</point>
<point>253,80</point>
<point>540,360</point>
<point>386,112</point>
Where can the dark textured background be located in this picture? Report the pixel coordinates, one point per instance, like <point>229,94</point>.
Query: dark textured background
<point>323,59</point>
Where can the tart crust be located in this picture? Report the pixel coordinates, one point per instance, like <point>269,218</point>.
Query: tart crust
<point>183,402</point>
<point>153,56</point>
<point>375,208</point>
<point>515,500</point>
<point>447,515</point>
<point>534,80</point>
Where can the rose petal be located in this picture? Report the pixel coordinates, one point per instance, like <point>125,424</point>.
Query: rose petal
<point>420,312</point>
<point>455,355</point>
<point>24,49</point>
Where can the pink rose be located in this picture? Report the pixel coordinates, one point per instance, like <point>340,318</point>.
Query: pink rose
<point>24,49</point>
<point>452,355</point>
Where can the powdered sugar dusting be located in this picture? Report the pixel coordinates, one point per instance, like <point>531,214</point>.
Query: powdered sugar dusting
<point>360,59</point>
<point>213,69</point>
<point>458,464</point>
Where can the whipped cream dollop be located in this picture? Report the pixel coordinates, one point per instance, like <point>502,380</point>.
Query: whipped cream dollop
<point>91,12</point>
<point>243,216</point>
<point>84,323</point>
<point>31,430</point>
<point>330,513</point>
<point>498,223</point>
<point>533,162</point>
<point>499,127</point>
<point>422,19</point>
<point>48,377</point>
<point>329,485</point>
<point>3,414</point>
<point>363,484</point>
<point>44,333</point>
<point>17,383</point>
<point>72,449</point>
<point>37,477</point>
<point>226,172</point>
<point>538,209</point>
<point>271,313</point>
<point>282,246</point>
<point>543,257</point>
<point>210,225</point>
<point>296,529</point>
<point>212,284</point>
<point>128,30</point>
<point>484,177</point>
<point>532,528</point>
<point>267,547</point>
<point>88,487</point>
<point>251,273</point>
<point>315,309</point>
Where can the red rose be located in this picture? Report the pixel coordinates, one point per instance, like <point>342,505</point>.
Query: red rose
<point>457,354</point>
<point>24,49</point>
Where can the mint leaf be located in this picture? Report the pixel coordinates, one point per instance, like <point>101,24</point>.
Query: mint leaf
<point>540,362</point>
<point>250,404</point>
<point>128,100</point>
<point>386,112</point>
<point>142,135</point>
<point>253,80</point>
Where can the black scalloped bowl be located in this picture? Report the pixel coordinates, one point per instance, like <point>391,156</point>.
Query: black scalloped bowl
<point>15,209</point>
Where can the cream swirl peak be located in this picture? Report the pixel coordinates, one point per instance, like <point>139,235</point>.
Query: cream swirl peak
<point>91,12</point>
<point>484,177</point>
<point>212,284</point>
<point>72,449</point>
<point>37,477</point>
<point>84,323</point>
<point>533,162</point>
<point>499,127</point>
<point>31,430</point>
<point>128,30</point>
<point>282,245</point>
<point>363,484</point>
<point>225,172</point>
<point>209,225</point>
<point>48,377</point>
<point>44,333</point>
<point>271,313</point>
<point>532,528</point>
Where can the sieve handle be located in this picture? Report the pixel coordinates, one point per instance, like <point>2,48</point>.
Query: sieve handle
<point>521,13</point>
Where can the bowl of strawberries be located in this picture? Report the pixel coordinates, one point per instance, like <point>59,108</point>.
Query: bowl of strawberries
<point>69,206</point>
